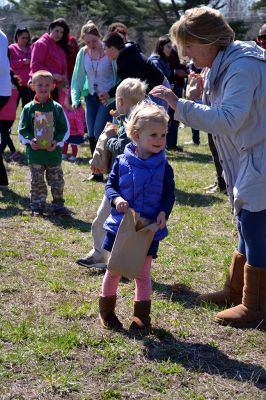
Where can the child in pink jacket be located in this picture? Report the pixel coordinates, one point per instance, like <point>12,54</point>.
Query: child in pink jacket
<point>76,119</point>
<point>7,118</point>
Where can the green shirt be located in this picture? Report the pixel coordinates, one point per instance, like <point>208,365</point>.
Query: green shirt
<point>60,131</point>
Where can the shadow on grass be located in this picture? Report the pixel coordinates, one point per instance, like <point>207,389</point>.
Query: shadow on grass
<point>9,196</point>
<point>21,160</point>
<point>189,156</point>
<point>195,199</point>
<point>177,293</point>
<point>69,222</point>
<point>161,345</point>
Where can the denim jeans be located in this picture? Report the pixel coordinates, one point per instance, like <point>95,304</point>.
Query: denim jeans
<point>195,136</point>
<point>219,171</point>
<point>252,236</point>
<point>96,115</point>
<point>172,134</point>
<point>173,125</point>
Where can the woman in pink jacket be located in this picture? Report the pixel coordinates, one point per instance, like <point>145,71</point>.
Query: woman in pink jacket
<point>50,53</point>
<point>20,56</point>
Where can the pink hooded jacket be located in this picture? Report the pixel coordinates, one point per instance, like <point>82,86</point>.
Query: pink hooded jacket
<point>48,55</point>
<point>8,112</point>
<point>76,119</point>
<point>17,64</point>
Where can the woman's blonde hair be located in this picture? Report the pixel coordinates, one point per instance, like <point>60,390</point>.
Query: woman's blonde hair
<point>204,25</point>
<point>89,28</point>
<point>144,113</point>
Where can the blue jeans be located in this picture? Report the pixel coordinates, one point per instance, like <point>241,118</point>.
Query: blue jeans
<point>173,125</point>
<point>172,134</point>
<point>96,115</point>
<point>252,237</point>
<point>195,136</point>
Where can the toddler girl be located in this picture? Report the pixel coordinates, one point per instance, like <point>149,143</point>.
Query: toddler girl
<point>141,179</point>
<point>76,119</point>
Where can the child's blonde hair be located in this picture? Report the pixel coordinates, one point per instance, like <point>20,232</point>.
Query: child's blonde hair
<point>41,74</point>
<point>145,113</point>
<point>133,90</point>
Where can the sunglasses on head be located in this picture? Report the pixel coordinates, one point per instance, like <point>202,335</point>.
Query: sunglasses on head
<point>262,36</point>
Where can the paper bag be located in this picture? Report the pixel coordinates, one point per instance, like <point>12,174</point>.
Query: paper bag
<point>44,128</point>
<point>131,245</point>
<point>102,157</point>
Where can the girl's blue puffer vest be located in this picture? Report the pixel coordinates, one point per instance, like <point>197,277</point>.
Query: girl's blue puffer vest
<point>141,184</point>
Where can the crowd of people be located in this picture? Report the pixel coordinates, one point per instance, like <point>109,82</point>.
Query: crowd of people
<point>53,75</point>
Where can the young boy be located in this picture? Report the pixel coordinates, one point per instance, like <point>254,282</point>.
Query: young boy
<point>129,92</point>
<point>44,161</point>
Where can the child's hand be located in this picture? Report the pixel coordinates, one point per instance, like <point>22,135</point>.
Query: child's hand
<point>34,145</point>
<point>161,221</point>
<point>53,146</point>
<point>104,98</point>
<point>110,131</point>
<point>121,205</point>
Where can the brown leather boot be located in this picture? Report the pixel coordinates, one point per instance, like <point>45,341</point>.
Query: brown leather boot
<point>108,318</point>
<point>253,307</point>
<point>141,319</point>
<point>233,287</point>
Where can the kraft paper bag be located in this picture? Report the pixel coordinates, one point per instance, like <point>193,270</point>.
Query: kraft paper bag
<point>102,156</point>
<point>44,128</point>
<point>131,245</point>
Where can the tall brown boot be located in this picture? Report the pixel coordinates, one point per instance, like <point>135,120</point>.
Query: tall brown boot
<point>141,318</point>
<point>233,287</point>
<point>253,306</point>
<point>108,318</point>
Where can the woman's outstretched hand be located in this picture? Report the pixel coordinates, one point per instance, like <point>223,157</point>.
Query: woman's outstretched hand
<point>166,94</point>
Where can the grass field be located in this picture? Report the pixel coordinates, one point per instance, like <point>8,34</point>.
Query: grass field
<point>51,345</point>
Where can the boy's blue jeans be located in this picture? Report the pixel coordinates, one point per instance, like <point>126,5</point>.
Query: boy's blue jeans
<point>96,115</point>
<point>252,236</point>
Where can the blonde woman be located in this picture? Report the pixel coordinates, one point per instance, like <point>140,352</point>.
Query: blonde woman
<point>93,75</point>
<point>233,111</point>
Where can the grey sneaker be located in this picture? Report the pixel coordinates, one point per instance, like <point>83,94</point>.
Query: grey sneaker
<point>90,262</point>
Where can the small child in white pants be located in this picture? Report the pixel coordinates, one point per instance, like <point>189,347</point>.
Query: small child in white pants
<point>130,92</point>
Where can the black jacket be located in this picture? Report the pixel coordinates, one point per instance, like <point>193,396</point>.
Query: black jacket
<point>131,63</point>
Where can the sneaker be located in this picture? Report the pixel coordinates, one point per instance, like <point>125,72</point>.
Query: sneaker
<point>61,212</point>
<point>190,142</point>
<point>37,212</point>
<point>64,156</point>
<point>94,177</point>
<point>216,189</point>
<point>15,156</point>
<point>90,262</point>
<point>72,158</point>
<point>210,186</point>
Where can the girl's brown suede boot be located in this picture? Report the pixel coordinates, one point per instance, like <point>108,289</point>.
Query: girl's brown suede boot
<point>141,319</point>
<point>108,318</point>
